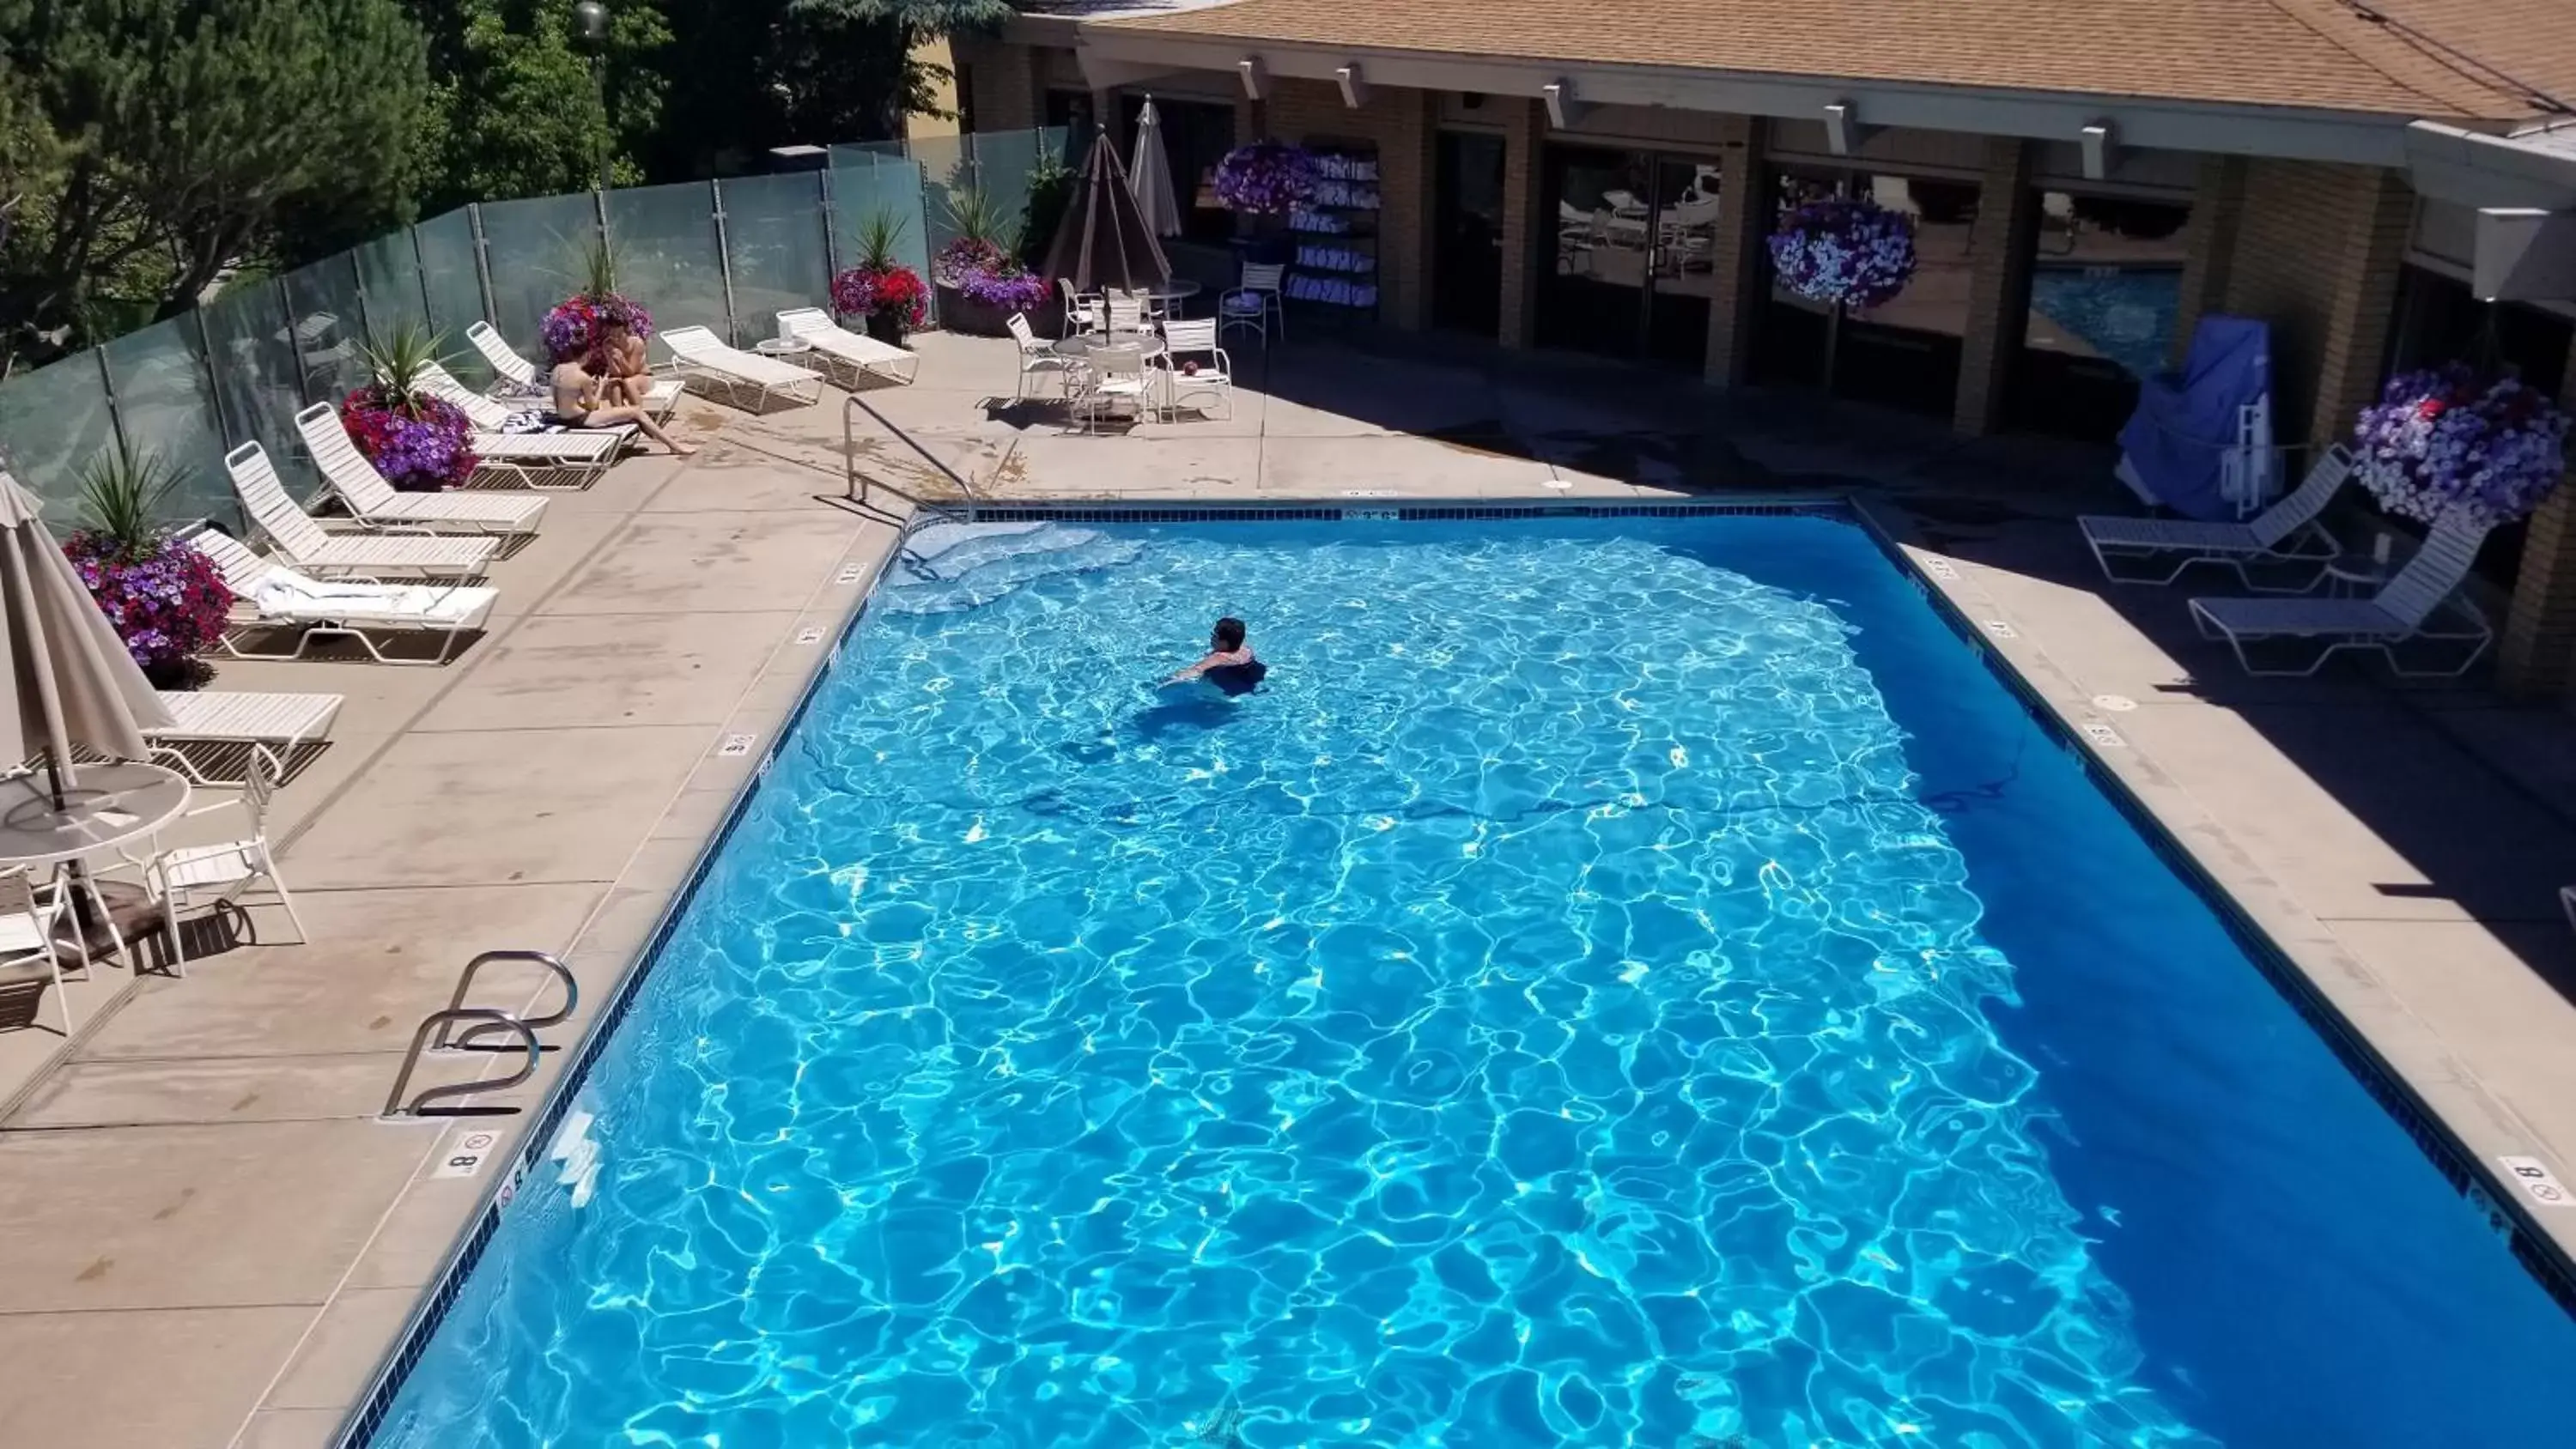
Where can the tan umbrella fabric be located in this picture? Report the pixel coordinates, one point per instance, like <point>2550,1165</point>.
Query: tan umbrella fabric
<point>1153,176</point>
<point>70,681</point>
<point>1104,242</point>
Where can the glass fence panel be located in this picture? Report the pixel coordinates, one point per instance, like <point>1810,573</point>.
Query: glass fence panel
<point>868,182</point>
<point>256,376</point>
<point>949,184</point>
<point>390,273</point>
<point>166,405</point>
<point>774,235</point>
<point>539,253</point>
<point>1003,161</point>
<point>667,260</point>
<point>329,326</point>
<point>53,420</point>
<point>454,291</point>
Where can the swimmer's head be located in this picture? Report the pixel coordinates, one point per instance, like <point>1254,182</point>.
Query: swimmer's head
<point>1229,633</point>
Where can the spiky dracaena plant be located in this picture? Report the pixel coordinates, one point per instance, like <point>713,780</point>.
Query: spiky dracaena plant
<point>880,233</point>
<point>400,361</point>
<point>121,493</point>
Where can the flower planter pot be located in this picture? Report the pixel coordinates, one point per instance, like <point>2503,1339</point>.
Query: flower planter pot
<point>886,327</point>
<point>961,313</point>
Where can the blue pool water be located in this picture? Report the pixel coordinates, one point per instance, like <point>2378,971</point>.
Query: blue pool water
<point>2126,314</point>
<point>1621,982</point>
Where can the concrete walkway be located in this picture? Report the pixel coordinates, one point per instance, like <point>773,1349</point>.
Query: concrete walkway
<point>213,1243</point>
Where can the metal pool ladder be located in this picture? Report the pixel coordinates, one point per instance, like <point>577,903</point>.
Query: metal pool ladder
<point>437,1032</point>
<point>856,485</point>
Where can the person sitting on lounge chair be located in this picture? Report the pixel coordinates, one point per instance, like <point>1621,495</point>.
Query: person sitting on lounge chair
<point>578,403</point>
<point>626,375</point>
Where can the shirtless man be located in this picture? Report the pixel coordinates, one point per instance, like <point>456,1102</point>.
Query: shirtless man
<point>578,404</point>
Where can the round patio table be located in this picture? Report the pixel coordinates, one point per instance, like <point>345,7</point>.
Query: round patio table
<point>104,806</point>
<point>1173,293</point>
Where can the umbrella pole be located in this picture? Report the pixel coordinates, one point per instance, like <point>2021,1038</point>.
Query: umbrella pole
<point>58,751</point>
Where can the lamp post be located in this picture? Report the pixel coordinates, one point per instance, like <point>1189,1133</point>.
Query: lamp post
<point>591,17</point>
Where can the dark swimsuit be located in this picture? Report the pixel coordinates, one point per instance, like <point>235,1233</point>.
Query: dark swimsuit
<point>1236,678</point>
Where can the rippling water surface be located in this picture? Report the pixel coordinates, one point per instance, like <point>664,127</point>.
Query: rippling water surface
<point>1621,982</point>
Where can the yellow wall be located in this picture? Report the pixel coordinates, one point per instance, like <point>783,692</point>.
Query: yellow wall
<point>935,51</point>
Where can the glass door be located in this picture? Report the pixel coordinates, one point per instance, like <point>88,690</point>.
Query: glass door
<point>1467,221</point>
<point>1592,286</point>
<point>1631,266</point>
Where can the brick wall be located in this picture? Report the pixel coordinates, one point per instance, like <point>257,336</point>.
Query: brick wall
<point>2537,655</point>
<point>2209,247</point>
<point>1735,257</point>
<point>1524,122</point>
<point>2316,255</point>
<point>1003,79</point>
<point>1998,283</point>
<point>1398,121</point>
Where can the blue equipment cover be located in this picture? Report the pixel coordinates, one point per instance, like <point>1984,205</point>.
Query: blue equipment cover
<point>2186,421</point>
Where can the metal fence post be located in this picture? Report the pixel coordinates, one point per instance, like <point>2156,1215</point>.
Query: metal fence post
<point>482,262</point>
<point>214,389</point>
<point>831,227</point>
<point>599,207</point>
<point>724,262</point>
<point>358,278</point>
<point>420,278</point>
<point>294,344</point>
<point>115,412</point>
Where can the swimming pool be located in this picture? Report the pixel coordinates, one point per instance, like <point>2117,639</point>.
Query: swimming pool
<point>1623,981</point>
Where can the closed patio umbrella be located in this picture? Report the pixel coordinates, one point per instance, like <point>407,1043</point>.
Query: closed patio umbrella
<point>1153,175</point>
<point>1104,242</point>
<point>70,681</point>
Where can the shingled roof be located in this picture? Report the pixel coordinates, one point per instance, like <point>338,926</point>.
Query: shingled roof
<point>2462,60</point>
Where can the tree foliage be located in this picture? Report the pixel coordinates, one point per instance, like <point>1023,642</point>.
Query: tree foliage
<point>518,109</point>
<point>152,143</point>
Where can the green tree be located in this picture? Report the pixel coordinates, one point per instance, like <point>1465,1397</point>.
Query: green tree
<point>763,73</point>
<point>155,142</point>
<point>520,111</point>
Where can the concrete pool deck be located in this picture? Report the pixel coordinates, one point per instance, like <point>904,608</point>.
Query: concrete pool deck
<point>212,1241</point>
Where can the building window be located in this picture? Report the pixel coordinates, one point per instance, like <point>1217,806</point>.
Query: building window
<point>1069,111</point>
<point>1905,353</point>
<point>965,98</point>
<point>2105,296</point>
<point>1196,136</point>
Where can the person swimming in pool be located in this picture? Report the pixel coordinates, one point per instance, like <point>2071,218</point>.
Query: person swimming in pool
<point>1229,664</point>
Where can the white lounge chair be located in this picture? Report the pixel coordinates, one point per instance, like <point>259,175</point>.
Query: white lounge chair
<point>700,354</point>
<point>374,503</point>
<point>550,457</point>
<point>268,728</point>
<point>855,350</point>
<point>518,375</point>
<point>2285,533</point>
<point>303,543</point>
<point>1184,341</point>
<point>267,594</point>
<point>2399,613</point>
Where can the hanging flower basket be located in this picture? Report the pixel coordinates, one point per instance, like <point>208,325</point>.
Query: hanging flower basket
<point>420,446</point>
<point>890,298</point>
<point>2442,436</point>
<point>573,329</point>
<point>1844,252</point>
<point>166,599</point>
<point>981,286</point>
<point>1266,178</point>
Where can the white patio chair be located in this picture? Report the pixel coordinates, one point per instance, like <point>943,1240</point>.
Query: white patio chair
<point>2399,614</point>
<point>855,350</point>
<point>32,915</point>
<point>303,543</point>
<point>700,354</point>
<point>1117,374</point>
<point>1038,357</point>
<point>1079,307</point>
<point>1255,300</point>
<point>2287,533</point>
<point>267,594</point>
<point>222,873</point>
<point>267,727</point>
<point>1182,342</point>
<point>374,503</point>
<point>1126,312</point>
<point>517,375</point>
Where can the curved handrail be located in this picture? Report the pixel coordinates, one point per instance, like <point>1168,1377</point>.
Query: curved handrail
<point>465,983</point>
<point>484,1016</point>
<point>854,484</point>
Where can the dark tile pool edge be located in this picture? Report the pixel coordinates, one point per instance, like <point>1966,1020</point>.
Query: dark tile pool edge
<point>2531,1245</point>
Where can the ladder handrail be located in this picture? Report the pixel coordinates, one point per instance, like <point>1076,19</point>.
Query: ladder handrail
<point>486,1017</point>
<point>465,982</point>
<point>853,484</point>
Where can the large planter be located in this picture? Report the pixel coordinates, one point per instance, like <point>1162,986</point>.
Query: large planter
<point>167,602</point>
<point>961,313</point>
<point>886,326</point>
<point>420,447</point>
